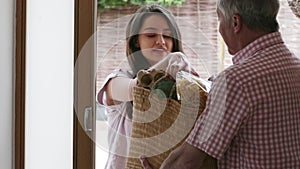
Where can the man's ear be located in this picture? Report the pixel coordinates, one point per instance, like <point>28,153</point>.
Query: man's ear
<point>236,23</point>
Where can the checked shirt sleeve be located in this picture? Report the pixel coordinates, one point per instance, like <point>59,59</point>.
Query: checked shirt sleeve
<point>226,110</point>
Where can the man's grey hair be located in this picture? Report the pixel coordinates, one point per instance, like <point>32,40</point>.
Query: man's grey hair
<point>258,15</point>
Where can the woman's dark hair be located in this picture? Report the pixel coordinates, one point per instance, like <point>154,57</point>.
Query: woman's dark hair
<point>135,57</point>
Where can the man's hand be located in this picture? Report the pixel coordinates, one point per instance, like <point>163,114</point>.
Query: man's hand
<point>184,157</point>
<point>145,163</point>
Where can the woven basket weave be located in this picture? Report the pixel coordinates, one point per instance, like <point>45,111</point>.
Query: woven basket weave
<point>156,130</point>
<point>295,7</point>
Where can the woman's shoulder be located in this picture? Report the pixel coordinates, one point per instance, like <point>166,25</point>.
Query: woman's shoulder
<point>121,73</point>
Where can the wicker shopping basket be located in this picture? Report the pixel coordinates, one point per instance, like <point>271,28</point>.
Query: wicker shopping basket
<point>160,124</point>
<point>295,7</point>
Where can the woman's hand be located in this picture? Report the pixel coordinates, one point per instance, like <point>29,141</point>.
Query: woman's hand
<point>174,63</point>
<point>177,62</point>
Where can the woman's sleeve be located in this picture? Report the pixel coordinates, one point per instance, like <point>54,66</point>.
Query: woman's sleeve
<point>118,93</point>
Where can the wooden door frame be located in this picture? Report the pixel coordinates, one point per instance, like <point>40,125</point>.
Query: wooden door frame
<point>20,72</point>
<point>84,28</point>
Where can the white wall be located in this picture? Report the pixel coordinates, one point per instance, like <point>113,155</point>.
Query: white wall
<point>49,84</point>
<point>6,74</point>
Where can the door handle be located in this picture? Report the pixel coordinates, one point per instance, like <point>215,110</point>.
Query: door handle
<point>87,118</point>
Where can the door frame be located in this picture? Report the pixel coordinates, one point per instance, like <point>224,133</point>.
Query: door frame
<point>84,29</point>
<point>20,79</point>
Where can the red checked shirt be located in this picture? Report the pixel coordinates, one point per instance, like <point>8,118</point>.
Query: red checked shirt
<point>252,117</point>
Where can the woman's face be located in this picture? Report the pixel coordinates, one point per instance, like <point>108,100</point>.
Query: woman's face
<point>155,38</point>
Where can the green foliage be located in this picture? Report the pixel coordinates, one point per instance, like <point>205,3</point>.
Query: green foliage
<point>113,3</point>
